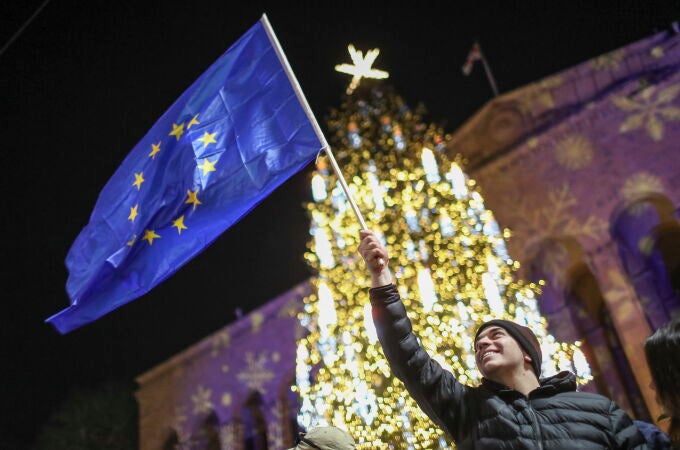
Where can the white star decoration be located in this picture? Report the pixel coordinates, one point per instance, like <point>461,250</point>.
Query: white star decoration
<point>361,67</point>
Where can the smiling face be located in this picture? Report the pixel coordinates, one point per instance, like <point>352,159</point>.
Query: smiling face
<point>497,353</point>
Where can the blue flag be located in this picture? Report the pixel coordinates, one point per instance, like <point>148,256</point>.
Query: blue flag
<point>233,137</point>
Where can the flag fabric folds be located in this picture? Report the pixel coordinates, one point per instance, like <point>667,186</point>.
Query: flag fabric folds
<point>474,55</point>
<point>235,135</point>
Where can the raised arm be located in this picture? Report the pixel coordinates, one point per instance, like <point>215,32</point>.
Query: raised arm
<point>447,402</point>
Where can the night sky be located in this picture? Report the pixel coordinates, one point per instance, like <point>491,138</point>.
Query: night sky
<point>85,81</point>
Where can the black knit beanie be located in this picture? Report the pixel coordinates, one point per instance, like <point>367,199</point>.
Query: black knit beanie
<point>524,337</point>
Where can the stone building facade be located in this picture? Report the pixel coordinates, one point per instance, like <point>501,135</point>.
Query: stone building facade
<point>231,390</point>
<point>584,168</point>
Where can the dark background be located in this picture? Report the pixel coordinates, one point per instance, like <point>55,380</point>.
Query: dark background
<point>86,80</point>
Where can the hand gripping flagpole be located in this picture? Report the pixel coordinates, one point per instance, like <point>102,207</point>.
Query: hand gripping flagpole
<point>310,115</point>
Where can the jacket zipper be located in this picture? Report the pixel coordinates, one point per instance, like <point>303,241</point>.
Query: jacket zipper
<point>535,425</point>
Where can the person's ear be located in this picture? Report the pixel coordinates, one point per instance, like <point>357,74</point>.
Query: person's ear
<point>527,358</point>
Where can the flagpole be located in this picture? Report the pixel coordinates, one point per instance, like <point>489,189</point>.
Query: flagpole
<point>23,27</point>
<point>310,115</point>
<point>341,179</point>
<point>487,69</point>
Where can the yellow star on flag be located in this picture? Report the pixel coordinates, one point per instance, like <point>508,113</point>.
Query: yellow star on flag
<point>193,198</point>
<point>177,130</point>
<point>139,179</point>
<point>155,148</point>
<point>149,236</point>
<point>208,138</point>
<point>193,121</point>
<point>133,213</point>
<point>361,67</point>
<point>131,241</point>
<point>207,166</point>
<point>179,224</point>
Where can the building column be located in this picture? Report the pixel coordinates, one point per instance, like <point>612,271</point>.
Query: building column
<point>231,435</point>
<point>276,425</point>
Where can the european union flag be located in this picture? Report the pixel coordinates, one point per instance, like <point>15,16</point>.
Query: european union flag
<point>234,136</point>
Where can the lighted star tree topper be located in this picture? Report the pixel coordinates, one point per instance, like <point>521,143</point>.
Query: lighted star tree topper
<point>450,263</point>
<point>361,67</point>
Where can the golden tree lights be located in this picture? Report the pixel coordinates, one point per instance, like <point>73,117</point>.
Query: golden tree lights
<point>449,260</point>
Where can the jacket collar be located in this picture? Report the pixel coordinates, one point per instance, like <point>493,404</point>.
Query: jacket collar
<point>562,382</point>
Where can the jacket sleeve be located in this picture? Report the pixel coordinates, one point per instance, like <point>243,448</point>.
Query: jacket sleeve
<point>626,434</point>
<point>446,401</point>
<point>655,438</point>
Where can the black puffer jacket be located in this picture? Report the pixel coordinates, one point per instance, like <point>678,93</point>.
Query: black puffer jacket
<point>492,416</point>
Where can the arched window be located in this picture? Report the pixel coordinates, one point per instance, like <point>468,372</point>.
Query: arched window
<point>667,240</point>
<point>573,304</point>
<point>550,261</point>
<point>171,442</point>
<point>211,428</point>
<point>647,235</point>
<point>255,425</point>
<point>603,344</point>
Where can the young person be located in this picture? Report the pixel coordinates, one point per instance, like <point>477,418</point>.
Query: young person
<point>513,408</point>
<point>662,350</point>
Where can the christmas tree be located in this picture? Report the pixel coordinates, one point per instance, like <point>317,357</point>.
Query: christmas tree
<point>449,260</point>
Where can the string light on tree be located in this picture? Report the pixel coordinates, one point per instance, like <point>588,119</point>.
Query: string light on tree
<point>449,259</point>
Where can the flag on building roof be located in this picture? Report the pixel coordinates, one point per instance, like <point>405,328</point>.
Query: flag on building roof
<point>474,55</point>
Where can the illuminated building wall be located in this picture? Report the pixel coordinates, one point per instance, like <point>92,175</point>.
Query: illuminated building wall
<point>231,390</point>
<point>583,168</point>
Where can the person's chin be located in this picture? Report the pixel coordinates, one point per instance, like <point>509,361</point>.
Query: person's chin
<point>489,369</point>
<point>493,367</point>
